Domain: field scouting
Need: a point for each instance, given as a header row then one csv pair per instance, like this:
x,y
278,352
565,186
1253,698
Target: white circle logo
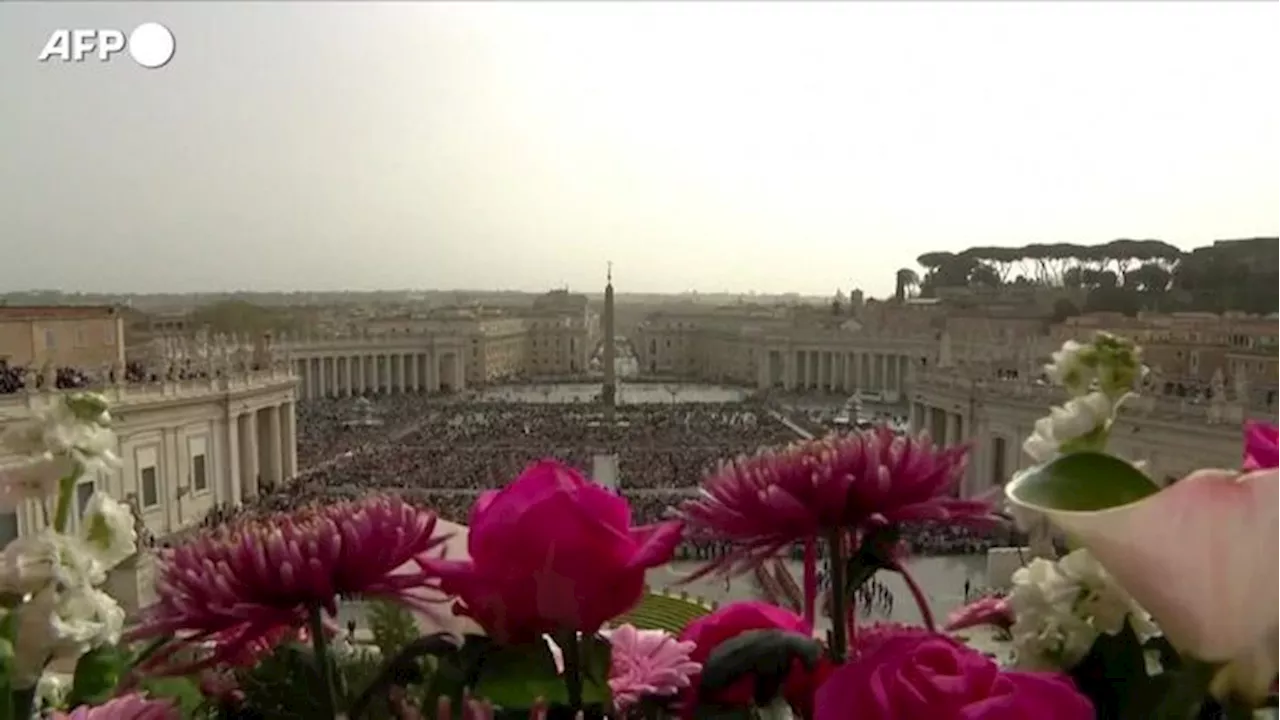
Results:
x,y
151,45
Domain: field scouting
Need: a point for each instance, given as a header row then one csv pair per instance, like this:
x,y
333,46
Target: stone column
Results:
x,y
289,438
414,366
273,473
913,417
231,458
351,375
249,454
951,433
404,372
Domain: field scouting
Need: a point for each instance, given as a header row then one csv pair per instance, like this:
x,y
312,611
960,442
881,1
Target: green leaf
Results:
x,y
597,655
1082,482
875,553
766,655
183,692
97,674
515,676
1114,674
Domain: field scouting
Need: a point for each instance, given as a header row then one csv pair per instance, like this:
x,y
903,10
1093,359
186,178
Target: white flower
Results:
x,y
86,618
1071,367
1079,417
32,478
32,562
1061,608
107,530
51,691
78,427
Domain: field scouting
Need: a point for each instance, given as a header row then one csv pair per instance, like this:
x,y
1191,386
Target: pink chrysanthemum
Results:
x,y
1261,446
240,585
812,488
125,707
648,662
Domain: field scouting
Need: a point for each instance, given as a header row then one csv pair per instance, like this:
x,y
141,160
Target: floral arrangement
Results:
x,y
1165,607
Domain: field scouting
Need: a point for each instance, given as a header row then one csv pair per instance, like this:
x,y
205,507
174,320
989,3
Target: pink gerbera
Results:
x,y
126,707
648,663
814,488
241,585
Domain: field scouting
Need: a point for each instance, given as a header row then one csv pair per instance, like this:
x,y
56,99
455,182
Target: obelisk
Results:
x,y
608,394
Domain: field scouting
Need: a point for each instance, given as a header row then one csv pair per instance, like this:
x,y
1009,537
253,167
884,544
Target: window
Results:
x,y
198,477
81,338
150,491
84,491
199,470
49,339
8,527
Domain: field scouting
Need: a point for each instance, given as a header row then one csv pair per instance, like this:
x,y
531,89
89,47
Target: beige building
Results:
x,y
185,446
88,338
1172,434
779,348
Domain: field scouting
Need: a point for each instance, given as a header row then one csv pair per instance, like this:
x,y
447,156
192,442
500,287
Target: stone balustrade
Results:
x,y
122,395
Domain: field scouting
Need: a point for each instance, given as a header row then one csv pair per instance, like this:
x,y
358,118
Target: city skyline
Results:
x,y
798,148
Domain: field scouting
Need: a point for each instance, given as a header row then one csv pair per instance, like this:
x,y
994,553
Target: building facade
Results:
x,y
88,338
185,446
1171,434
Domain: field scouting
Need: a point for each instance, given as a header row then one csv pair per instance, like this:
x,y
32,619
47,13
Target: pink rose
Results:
x,y
552,552
1260,446
730,621
932,677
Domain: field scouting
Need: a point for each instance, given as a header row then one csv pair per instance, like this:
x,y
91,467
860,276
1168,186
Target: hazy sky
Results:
x,y
721,146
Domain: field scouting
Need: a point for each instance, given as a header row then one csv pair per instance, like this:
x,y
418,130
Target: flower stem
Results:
x,y
572,650
926,614
66,488
839,628
810,579
324,663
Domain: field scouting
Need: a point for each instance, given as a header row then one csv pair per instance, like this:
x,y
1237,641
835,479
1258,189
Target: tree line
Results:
x,y
1120,276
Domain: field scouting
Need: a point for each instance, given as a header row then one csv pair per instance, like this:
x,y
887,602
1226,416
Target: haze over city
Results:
x,y
774,148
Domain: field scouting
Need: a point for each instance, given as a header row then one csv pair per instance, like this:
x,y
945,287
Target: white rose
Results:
x,y
86,618
107,530
33,561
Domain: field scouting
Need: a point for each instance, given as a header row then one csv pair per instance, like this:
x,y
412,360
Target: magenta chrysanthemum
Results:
x,y
239,585
648,662
810,489
125,707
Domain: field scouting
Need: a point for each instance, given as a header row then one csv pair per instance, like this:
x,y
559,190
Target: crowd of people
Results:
x,y
442,453
16,378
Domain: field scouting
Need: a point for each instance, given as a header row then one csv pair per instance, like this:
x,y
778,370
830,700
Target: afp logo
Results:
x,y
151,45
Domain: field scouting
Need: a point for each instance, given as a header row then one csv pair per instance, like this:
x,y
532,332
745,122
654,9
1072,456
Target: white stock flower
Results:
x,y
107,530
78,427
86,618
34,561
51,691
1079,417
32,478
1061,607
1071,366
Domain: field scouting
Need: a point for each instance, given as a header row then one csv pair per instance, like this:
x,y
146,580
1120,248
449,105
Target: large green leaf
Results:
x,y
1082,482
97,674
515,676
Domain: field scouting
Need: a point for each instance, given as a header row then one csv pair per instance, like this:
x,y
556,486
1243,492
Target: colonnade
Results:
x,y
342,374
262,449
838,370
